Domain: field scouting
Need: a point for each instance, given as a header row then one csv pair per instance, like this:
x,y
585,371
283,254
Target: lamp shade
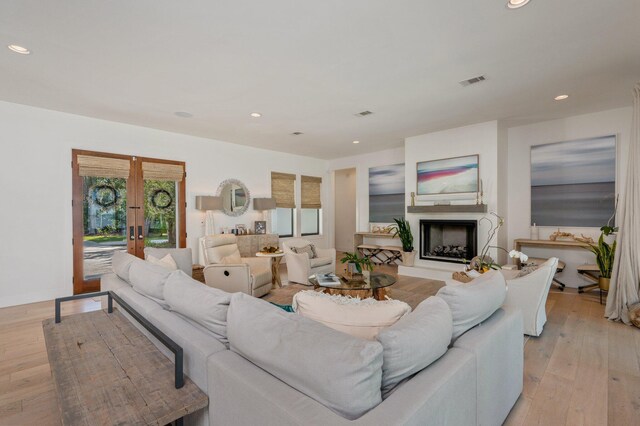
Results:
x,y
264,204
208,202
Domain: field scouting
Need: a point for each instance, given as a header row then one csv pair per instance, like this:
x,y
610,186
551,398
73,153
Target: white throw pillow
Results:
x,y
363,318
414,342
202,304
166,262
232,259
474,302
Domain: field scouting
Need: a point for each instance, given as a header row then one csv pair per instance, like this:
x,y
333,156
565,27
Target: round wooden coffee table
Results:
x,y
374,285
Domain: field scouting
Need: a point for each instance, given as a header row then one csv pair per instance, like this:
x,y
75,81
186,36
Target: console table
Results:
x,y
383,254
521,242
107,372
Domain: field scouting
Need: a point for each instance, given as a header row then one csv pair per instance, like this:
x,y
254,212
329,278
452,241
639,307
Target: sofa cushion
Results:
x,y
363,318
474,302
166,262
149,279
309,250
139,302
121,264
320,261
341,372
415,341
182,256
205,305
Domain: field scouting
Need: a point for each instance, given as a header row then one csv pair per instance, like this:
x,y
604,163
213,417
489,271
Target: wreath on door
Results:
x,y
161,199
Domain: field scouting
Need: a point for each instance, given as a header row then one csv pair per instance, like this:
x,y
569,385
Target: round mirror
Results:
x,y
235,197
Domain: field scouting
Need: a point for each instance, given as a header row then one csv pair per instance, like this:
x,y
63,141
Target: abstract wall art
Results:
x,y
448,176
386,193
574,183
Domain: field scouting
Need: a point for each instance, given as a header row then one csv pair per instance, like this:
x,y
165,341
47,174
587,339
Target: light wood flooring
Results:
x,y
583,370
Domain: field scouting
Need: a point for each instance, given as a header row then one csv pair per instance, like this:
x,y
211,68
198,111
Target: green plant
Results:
x,y
605,254
403,230
358,261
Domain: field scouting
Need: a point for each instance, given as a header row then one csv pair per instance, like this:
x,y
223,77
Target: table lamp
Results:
x,y
208,204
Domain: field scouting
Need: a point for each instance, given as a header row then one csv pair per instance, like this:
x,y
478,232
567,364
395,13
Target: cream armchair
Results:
x,y
529,294
300,266
250,275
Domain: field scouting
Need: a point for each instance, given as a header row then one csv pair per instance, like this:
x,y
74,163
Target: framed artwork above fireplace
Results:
x,y
455,175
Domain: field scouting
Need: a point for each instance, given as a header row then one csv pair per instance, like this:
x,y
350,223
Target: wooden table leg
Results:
x,y
275,272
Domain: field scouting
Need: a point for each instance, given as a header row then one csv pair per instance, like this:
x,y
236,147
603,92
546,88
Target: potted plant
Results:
x,y
355,265
605,255
403,231
483,262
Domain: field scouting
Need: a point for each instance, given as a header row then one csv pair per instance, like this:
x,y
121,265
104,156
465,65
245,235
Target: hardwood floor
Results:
x,y
583,370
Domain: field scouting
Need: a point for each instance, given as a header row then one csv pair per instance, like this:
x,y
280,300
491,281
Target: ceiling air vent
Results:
x,y
474,80
297,133
363,113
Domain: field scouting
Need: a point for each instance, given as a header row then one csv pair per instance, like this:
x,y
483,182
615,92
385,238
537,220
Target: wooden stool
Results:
x,y
392,253
591,272
537,261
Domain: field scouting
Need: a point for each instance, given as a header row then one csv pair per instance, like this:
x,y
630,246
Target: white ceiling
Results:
x,y
310,66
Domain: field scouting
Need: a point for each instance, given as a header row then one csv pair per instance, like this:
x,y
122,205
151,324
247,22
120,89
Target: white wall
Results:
x,y
345,208
479,139
35,206
520,140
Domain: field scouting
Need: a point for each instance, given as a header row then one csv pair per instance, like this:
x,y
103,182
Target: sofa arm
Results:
x,y
444,393
230,278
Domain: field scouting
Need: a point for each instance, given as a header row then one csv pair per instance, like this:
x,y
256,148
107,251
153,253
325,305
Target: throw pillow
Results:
x,y
363,318
474,302
166,262
204,305
338,371
414,342
232,259
182,256
309,250
526,270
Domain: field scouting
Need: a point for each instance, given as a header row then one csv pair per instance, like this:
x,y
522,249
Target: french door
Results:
x,y
123,203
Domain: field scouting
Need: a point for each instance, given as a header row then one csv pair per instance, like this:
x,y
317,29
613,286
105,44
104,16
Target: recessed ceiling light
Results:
x,y
183,114
19,49
356,141
255,115
561,97
516,4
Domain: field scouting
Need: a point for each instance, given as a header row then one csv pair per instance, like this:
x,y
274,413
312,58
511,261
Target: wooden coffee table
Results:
x,y
374,285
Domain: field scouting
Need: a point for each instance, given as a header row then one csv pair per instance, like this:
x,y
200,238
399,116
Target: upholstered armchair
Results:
x,y
226,270
529,294
300,265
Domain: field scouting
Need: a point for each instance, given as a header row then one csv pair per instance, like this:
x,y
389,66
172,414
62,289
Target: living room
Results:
x,y
240,147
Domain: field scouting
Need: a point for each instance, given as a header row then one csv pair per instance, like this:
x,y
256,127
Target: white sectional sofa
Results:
x,y
250,380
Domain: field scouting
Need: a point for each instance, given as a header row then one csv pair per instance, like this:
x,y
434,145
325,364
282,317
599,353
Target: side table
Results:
x,y
197,272
276,258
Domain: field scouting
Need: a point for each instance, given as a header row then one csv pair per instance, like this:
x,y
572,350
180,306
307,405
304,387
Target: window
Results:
x,y
311,205
284,222
283,187
310,222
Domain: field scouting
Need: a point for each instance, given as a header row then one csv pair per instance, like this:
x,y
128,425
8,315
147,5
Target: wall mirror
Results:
x,y
235,197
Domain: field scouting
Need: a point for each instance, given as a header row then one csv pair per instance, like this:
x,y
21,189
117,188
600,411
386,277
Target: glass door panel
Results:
x,y
160,214
104,224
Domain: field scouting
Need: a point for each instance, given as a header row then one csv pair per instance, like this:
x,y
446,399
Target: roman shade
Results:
x,y
90,165
311,192
162,171
283,189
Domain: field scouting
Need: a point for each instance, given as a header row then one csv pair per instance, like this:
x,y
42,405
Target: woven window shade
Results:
x,y
311,192
89,165
283,189
162,171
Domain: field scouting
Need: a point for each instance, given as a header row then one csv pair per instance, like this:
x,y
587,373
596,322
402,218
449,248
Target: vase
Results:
x,y
408,258
352,273
603,283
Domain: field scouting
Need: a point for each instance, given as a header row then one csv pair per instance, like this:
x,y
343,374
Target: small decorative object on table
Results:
x,y
270,250
535,234
354,266
261,226
559,235
484,262
197,272
413,199
241,229
520,256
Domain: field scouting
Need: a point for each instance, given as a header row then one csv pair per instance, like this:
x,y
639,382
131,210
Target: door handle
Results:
x,y
132,235
140,236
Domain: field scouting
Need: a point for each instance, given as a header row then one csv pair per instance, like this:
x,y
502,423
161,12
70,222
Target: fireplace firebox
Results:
x,y
448,240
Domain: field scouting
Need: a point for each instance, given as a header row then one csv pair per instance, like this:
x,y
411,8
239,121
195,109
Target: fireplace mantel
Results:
x,y
452,208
